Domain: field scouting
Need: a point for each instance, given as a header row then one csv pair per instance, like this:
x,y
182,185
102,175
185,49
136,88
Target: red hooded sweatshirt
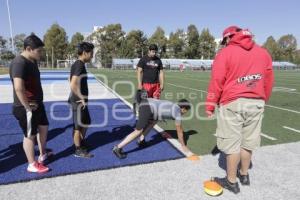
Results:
x,y
240,70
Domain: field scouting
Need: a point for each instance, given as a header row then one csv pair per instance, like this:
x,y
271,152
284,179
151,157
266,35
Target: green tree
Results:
x,y
134,45
192,48
19,42
72,48
176,44
56,40
3,42
272,46
207,45
297,59
108,41
288,46
160,40
7,55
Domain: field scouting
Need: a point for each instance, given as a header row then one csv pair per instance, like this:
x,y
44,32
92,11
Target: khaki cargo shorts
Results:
x,y
239,125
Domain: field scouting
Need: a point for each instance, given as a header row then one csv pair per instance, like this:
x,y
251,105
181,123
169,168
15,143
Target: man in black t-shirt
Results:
x,y
150,73
79,97
28,107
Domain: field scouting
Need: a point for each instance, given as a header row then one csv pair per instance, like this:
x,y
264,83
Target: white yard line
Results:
x,y
179,86
186,78
263,135
267,105
268,137
278,88
285,89
293,111
292,129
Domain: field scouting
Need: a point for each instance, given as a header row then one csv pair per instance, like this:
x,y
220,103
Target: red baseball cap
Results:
x,y
229,31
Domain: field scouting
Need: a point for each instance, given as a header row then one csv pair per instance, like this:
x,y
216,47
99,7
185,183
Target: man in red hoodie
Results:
x,y
241,82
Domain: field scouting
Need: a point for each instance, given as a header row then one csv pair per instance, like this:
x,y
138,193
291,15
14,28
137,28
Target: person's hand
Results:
x,y
33,106
28,109
140,86
185,149
82,102
161,87
209,113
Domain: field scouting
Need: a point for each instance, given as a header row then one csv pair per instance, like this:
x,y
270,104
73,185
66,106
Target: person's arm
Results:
x,y
216,84
75,87
269,79
139,77
180,136
20,92
161,79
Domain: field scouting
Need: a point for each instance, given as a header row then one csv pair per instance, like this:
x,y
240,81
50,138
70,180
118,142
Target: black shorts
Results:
x,y
81,116
29,122
145,115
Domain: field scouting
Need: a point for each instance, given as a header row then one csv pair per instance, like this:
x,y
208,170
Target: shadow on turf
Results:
x,y
14,155
96,140
155,139
186,135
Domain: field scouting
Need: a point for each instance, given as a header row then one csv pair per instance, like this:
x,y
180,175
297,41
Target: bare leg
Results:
x,y
232,164
129,138
42,139
147,130
245,161
77,138
28,146
83,133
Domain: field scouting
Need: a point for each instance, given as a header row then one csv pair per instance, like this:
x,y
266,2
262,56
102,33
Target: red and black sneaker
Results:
x,y
37,168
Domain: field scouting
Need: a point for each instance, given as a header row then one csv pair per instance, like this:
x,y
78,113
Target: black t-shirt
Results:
x,y
23,68
151,68
78,69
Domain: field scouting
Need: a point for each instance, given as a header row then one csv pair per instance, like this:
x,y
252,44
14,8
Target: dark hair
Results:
x,y
153,47
85,47
33,42
183,103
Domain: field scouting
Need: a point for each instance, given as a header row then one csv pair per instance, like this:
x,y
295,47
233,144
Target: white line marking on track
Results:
x,y
292,129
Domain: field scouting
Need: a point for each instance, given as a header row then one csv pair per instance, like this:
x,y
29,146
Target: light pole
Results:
x,y
52,58
11,34
47,60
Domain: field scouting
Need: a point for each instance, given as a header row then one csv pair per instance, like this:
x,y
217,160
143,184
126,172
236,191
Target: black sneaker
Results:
x,y
244,179
215,151
85,145
232,187
119,152
141,143
82,153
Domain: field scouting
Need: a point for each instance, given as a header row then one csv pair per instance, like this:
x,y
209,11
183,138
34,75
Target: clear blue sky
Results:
x,y
262,17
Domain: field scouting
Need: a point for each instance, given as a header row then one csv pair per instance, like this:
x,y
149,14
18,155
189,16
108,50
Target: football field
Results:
x,y
282,112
